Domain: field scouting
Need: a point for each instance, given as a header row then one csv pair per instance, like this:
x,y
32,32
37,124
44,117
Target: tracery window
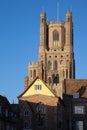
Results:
x,y
27,124
55,78
40,115
55,35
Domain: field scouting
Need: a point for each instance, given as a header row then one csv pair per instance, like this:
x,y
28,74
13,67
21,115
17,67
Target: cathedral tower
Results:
x,y
56,55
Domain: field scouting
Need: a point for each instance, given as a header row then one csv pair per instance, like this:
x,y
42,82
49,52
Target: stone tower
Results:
x,y
56,56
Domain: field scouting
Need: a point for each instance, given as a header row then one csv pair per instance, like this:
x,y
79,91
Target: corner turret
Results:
x,y
42,32
69,32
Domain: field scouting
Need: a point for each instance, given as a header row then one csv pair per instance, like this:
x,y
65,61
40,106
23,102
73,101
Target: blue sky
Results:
x,y
19,38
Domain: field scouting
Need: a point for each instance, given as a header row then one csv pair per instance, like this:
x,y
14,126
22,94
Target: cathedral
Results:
x,y
52,98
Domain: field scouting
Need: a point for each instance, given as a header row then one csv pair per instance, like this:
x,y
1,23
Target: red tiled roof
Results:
x,y
76,85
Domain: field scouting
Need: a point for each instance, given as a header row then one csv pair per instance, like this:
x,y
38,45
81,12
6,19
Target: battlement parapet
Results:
x,y
57,23
33,65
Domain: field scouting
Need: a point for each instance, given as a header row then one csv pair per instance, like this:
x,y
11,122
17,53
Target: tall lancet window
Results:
x,y
34,73
40,115
49,65
55,65
55,35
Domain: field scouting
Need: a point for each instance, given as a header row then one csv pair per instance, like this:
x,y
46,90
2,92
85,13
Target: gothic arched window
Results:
x,y
66,73
55,35
55,65
34,73
40,114
49,65
30,73
55,78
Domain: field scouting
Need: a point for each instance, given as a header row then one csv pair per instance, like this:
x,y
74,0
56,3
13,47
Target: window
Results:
x,y
34,73
38,87
66,73
75,95
55,35
27,112
55,78
55,65
26,124
6,113
30,73
77,125
3,111
71,70
79,109
49,65
40,115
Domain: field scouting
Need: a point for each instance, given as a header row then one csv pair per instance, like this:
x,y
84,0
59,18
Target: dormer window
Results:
x,y
55,35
